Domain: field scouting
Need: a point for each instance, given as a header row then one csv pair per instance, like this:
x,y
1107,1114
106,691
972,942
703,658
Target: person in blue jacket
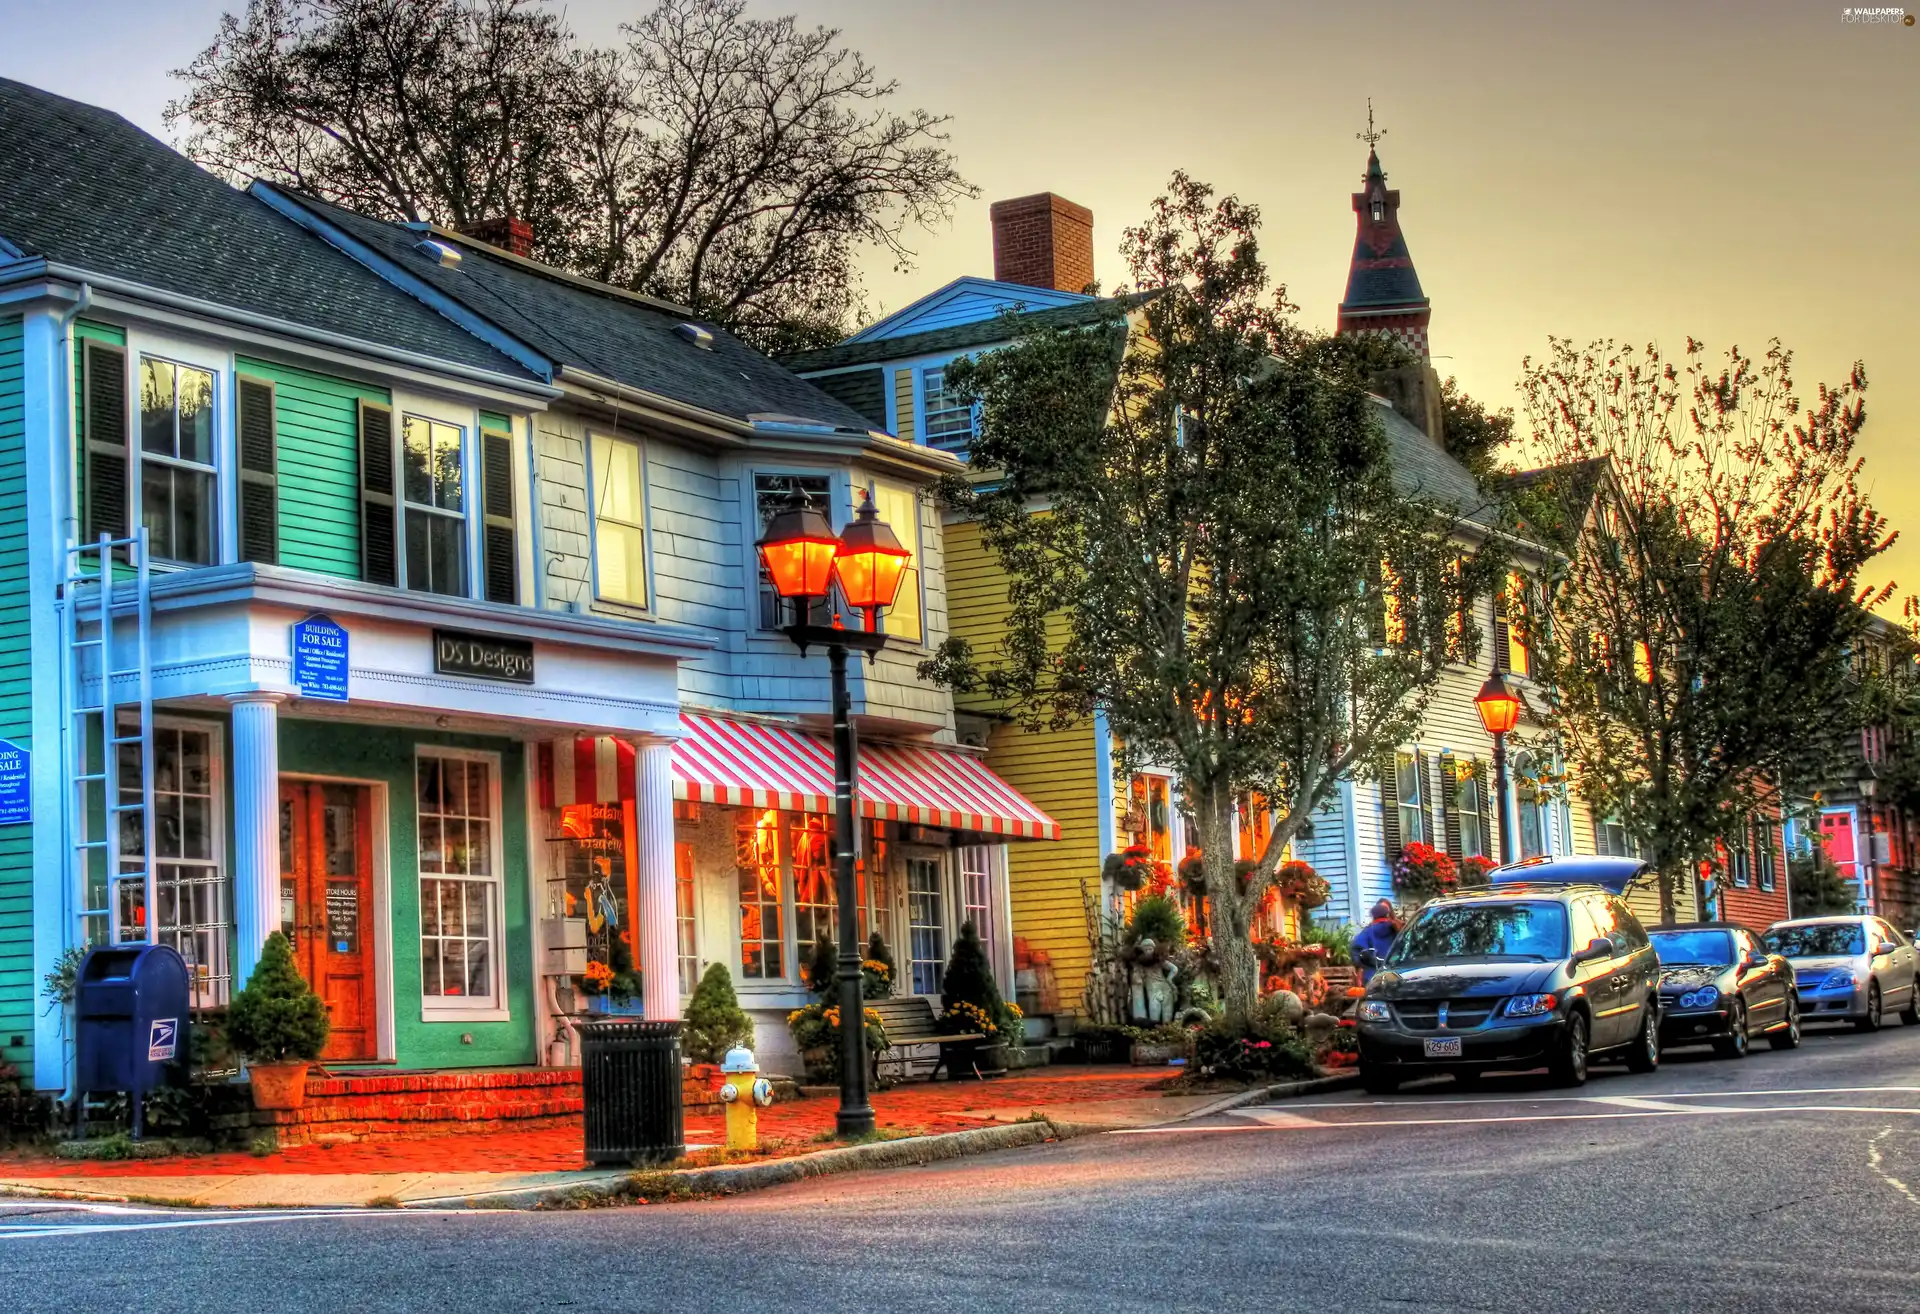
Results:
x,y
1377,935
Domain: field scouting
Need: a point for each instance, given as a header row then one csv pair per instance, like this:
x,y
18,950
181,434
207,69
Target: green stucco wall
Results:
x,y
317,425
16,709
385,754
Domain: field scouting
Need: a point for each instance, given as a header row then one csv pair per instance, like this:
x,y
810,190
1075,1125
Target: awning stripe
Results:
x,y
751,764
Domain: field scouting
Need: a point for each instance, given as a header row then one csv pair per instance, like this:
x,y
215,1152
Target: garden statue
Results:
x,y
1154,992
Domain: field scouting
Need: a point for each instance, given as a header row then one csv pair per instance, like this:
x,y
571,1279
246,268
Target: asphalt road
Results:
x,y
1782,1182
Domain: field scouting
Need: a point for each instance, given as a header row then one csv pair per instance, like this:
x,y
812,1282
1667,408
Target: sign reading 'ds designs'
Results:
x,y
483,656
320,658
16,784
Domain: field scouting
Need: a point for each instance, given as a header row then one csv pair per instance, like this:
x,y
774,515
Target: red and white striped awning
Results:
x,y
597,770
732,763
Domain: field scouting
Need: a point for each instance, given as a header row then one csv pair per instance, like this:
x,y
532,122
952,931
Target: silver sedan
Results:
x,y
1853,968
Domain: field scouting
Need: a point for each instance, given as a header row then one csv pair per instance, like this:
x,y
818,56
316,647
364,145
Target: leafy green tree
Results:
x,y
715,1021
1475,435
735,165
1704,620
1816,887
277,1018
1221,560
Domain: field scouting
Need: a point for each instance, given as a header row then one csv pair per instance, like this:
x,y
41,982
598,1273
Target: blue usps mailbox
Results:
x,y
131,1006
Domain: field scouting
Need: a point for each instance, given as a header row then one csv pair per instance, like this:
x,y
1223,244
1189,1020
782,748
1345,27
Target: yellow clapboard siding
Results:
x,y
1057,769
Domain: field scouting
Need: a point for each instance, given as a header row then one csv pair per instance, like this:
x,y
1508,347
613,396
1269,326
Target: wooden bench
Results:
x,y
910,1025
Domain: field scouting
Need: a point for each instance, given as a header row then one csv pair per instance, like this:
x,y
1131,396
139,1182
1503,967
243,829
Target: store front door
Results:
x,y
326,904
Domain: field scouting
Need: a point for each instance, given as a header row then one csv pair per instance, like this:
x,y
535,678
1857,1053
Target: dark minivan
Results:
x,y
1528,973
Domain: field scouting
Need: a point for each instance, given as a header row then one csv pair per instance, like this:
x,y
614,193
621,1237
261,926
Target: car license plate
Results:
x,y
1446,1048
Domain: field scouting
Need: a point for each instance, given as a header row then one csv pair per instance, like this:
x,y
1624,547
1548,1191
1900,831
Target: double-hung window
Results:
x,y
756,863
433,482
458,801
1469,810
900,509
178,505
926,925
1765,864
1740,861
619,521
770,494
1412,796
949,421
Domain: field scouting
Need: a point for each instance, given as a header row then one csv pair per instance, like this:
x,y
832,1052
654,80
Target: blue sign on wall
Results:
x,y
320,658
16,784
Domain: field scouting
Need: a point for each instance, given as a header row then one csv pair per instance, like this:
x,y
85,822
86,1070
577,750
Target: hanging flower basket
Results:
x,y
1302,886
1130,868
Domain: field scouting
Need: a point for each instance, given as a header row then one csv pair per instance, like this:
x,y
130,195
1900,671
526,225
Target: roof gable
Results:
x,y
990,331
963,301
82,187
590,329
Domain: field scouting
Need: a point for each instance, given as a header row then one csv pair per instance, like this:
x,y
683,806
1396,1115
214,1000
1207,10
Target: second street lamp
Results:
x,y
1499,708
805,558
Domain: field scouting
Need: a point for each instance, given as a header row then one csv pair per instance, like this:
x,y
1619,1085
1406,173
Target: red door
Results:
x,y
326,904
1837,835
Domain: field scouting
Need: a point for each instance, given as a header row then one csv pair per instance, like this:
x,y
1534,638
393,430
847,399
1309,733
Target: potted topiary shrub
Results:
x,y
970,1002
280,1025
877,972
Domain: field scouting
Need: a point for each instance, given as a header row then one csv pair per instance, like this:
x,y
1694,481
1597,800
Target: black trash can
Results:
x,y
630,1079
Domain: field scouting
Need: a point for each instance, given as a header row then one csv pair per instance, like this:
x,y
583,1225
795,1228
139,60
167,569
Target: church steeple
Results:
x,y
1383,291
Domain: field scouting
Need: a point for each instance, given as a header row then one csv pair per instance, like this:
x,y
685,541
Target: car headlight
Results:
x,y
1531,1005
1839,980
1374,1010
1704,997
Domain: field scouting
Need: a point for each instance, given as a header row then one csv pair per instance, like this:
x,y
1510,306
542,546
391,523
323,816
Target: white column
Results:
x,y
256,826
657,916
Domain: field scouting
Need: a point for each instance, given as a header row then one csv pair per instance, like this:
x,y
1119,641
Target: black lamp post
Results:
x,y
1499,709
805,558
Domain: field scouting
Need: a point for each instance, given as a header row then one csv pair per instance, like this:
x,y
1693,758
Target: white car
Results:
x,y
1853,968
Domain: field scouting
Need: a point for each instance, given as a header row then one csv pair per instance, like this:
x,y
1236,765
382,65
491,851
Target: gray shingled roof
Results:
x,y
959,337
1421,468
604,332
81,186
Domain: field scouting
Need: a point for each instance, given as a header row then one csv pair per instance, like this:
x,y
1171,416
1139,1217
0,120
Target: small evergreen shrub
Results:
x,y
970,993
715,1021
1159,919
877,969
278,1018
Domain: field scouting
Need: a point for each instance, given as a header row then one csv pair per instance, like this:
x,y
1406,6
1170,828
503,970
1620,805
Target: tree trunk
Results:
x,y
1233,954
1662,865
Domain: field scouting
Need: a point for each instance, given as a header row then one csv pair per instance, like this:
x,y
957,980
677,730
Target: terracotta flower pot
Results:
x,y
278,1085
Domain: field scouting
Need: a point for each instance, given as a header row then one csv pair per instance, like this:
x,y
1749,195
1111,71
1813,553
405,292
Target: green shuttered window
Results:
x,y
259,472
499,541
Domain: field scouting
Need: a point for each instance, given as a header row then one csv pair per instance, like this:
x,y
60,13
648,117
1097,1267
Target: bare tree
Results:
x,y
733,164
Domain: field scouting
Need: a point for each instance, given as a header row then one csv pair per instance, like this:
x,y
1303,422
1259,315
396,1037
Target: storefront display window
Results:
x,y
757,867
685,929
591,873
190,889
459,878
873,869
813,893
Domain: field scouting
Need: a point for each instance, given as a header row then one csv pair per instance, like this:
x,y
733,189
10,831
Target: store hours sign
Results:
x,y
320,658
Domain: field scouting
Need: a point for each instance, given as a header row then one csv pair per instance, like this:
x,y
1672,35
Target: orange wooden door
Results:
x,y
326,905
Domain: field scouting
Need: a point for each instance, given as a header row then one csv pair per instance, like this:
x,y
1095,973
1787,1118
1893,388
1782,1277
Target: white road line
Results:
x,y
22,1231
1304,1124
1523,1097
1874,1162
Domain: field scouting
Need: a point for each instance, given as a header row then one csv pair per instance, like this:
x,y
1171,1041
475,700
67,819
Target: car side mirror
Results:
x,y
1597,948
1368,958
1755,962
1884,947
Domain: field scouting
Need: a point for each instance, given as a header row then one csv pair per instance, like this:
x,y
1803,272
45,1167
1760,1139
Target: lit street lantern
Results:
x,y
1499,708
803,556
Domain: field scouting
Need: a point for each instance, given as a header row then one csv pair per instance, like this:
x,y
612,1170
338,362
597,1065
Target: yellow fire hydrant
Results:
x,y
745,1093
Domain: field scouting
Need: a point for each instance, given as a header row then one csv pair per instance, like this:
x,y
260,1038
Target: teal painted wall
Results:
x,y
317,422
386,754
16,708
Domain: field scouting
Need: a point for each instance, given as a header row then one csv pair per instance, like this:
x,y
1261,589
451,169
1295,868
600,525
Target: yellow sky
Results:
x,y
1733,170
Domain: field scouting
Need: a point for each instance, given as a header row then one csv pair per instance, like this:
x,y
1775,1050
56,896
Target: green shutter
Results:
x,y
1390,803
379,508
1447,773
259,472
104,426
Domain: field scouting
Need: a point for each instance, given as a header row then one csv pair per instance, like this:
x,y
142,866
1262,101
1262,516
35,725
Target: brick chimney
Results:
x,y
1043,241
515,235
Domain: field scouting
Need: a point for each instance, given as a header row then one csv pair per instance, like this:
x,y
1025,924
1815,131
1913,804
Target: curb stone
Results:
x,y
731,1179
1285,1090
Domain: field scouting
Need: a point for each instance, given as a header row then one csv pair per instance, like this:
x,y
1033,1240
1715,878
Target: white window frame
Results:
x,y
926,389
644,525
942,886
465,518
913,541
1419,809
215,732
1471,776
214,510
464,1008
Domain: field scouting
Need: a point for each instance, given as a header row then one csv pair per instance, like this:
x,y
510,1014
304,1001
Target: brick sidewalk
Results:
x,y
791,1128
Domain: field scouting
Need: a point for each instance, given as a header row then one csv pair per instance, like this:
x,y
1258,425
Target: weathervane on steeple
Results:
x,y
1372,135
